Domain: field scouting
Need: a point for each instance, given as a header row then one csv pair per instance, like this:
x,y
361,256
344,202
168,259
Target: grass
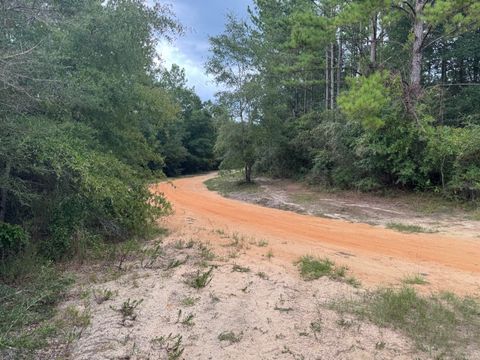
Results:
x,y
406,228
200,280
189,301
127,310
312,268
415,279
27,308
238,268
262,243
441,324
229,183
103,295
172,344
230,336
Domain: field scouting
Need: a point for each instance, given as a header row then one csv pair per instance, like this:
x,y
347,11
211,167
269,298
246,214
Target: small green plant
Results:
x,y
171,344
173,263
189,301
127,310
262,275
200,280
103,295
316,327
238,268
181,244
312,268
269,254
416,279
187,320
230,336
206,252
150,255
405,228
262,243
76,317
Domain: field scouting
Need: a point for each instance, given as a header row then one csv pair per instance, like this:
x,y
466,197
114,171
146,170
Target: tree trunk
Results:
x,y
417,54
373,44
4,193
326,79
248,173
332,76
339,64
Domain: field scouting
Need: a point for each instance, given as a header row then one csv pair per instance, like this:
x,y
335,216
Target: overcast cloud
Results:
x,y
201,18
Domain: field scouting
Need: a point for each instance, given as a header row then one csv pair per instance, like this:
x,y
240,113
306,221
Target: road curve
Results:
x,y
368,245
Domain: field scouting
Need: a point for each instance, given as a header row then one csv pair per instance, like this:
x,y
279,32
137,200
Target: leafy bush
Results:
x,y
13,241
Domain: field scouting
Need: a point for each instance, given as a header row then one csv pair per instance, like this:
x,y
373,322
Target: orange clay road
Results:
x,y
375,255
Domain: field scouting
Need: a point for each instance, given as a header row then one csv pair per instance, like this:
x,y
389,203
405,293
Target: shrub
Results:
x,y
13,241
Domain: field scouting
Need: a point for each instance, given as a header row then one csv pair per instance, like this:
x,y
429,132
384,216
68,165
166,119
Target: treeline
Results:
x,y
87,119
354,94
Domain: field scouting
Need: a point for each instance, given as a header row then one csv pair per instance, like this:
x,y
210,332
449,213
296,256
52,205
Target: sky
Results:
x,y
201,19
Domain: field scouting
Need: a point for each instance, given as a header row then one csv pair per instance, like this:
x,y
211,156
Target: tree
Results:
x,y
231,64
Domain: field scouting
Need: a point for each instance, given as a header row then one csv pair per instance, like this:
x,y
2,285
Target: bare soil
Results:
x,y
256,306
377,256
263,311
428,212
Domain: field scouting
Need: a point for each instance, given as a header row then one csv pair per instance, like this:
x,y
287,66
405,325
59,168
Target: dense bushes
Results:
x,y
87,121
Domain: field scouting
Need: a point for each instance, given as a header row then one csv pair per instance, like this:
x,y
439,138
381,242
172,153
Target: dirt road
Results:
x,y
375,255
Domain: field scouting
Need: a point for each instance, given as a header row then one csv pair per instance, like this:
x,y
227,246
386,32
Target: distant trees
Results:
x,y
356,93
231,64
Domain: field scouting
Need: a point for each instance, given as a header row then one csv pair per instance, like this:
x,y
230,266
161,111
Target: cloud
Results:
x,y
197,78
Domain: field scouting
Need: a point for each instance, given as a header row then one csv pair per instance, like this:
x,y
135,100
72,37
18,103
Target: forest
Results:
x,y
361,95
88,119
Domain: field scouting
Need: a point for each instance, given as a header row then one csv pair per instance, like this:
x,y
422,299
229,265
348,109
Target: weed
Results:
x,y
406,228
103,295
26,309
286,350
269,254
76,317
416,279
200,280
442,323
173,263
230,336
127,310
380,345
262,243
150,255
181,244
239,268
353,281
189,301
188,320
316,327
171,344
206,252
262,275
312,268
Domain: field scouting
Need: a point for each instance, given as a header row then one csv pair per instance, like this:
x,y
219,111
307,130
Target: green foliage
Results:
x,y
440,323
27,308
13,241
371,100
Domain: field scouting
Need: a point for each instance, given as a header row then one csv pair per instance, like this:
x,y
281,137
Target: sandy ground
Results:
x,y
271,313
256,306
375,255
407,209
